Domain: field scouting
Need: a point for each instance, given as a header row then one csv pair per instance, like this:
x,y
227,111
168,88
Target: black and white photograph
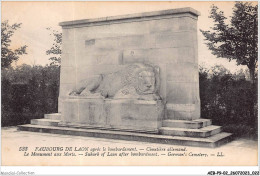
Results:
x,y
143,83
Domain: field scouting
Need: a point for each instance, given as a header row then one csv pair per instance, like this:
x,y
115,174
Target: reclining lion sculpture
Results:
x,y
135,81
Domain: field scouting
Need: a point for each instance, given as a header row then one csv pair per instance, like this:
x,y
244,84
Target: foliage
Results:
x,y
229,100
237,40
55,50
28,92
9,55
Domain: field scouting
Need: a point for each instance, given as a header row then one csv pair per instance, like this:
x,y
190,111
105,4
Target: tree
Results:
x,y
55,50
238,39
7,54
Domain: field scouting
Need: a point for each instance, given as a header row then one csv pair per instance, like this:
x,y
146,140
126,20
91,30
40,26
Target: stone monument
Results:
x,y
132,75
127,99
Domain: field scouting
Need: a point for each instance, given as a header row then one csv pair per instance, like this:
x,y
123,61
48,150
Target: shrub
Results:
x,y
230,101
28,92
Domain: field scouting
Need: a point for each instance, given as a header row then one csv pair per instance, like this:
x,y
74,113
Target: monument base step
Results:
x,y
53,116
51,122
212,141
111,128
202,132
45,122
190,124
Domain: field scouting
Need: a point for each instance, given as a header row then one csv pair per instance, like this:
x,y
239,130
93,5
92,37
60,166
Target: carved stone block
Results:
x,y
125,114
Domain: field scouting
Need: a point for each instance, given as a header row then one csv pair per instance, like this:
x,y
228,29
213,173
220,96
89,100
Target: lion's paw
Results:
x,y
149,97
73,93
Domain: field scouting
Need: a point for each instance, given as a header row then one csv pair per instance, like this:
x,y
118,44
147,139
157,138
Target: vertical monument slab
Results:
x,y
167,39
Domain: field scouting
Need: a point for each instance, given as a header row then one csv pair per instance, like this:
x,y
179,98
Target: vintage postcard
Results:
x,y
129,84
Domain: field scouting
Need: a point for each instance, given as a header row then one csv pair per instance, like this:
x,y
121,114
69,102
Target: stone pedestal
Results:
x,y
124,114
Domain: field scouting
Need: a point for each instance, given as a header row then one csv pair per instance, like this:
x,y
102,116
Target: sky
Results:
x,y
37,16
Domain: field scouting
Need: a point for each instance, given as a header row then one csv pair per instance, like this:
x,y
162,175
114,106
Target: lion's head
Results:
x,y
143,77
